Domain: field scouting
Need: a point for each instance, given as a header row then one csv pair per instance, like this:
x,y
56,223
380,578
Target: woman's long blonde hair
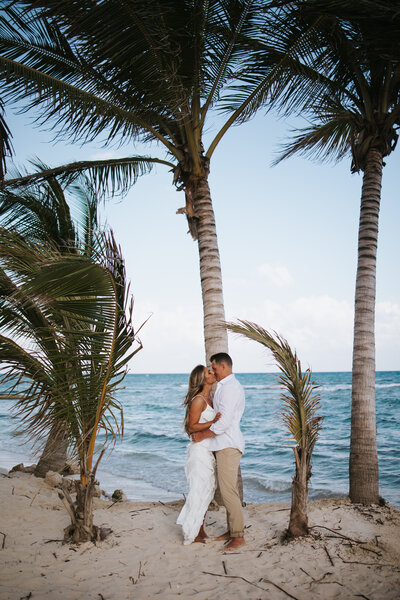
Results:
x,y
196,384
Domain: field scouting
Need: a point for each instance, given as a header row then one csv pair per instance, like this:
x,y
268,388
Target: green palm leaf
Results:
x,y
300,403
108,176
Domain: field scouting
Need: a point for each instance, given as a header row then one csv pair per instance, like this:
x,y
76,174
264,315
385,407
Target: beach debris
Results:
x,y
345,537
213,505
139,510
4,539
118,496
139,575
53,479
71,467
329,556
20,467
254,584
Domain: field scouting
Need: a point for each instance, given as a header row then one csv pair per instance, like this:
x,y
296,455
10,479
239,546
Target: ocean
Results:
x,y
148,464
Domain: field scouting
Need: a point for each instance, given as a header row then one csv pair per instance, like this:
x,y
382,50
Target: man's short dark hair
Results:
x,y
222,357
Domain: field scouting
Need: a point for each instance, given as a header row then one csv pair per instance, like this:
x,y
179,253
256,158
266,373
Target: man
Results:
x,y
228,444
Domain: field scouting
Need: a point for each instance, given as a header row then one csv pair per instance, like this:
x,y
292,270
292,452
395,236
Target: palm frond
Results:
x,y
300,403
109,176
329,139
6,148
67,329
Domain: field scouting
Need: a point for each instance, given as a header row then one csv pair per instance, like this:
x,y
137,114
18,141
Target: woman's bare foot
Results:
x,y
201,536
222,538
202,533
236,542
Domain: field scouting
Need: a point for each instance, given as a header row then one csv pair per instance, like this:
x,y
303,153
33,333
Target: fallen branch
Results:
x,y
357,562
338,534
329,556
251,583
322,582
308,574
34,498
373,551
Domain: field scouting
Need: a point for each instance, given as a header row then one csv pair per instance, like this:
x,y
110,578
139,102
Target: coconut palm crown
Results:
x,y
66,336
149,71
342,73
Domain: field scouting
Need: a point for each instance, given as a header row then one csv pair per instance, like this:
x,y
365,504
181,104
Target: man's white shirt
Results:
x,y
229,401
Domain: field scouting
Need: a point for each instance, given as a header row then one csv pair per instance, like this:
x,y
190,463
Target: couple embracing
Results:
x,y
213,423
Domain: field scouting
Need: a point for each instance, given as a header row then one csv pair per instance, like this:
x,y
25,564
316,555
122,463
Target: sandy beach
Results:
x,y
352,552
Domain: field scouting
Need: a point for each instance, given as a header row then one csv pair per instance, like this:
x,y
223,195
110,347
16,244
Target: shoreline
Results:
x,y
352,550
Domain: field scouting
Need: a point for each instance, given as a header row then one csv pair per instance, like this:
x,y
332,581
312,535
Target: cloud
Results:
x,y
105,155
172,339
319,327
278,275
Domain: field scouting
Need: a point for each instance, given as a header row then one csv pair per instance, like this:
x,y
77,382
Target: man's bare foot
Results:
x,y
222,538
236,542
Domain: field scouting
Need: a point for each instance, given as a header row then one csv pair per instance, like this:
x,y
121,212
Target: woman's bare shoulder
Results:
x,y
198,402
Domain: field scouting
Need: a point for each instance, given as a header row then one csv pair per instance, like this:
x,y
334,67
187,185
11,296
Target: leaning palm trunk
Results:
x,y
364,476
54,455
298,414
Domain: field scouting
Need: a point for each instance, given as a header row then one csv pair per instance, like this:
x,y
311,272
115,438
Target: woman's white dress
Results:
x,y
200,475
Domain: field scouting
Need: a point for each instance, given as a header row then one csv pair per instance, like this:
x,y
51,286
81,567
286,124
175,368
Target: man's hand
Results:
x,y
199,436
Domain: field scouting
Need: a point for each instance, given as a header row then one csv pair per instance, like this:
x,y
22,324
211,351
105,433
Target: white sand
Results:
x,y
144,557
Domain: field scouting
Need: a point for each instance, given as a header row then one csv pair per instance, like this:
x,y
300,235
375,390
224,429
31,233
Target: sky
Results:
x,y
288,244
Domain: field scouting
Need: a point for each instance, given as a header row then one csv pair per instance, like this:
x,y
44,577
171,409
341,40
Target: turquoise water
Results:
x,y
149,463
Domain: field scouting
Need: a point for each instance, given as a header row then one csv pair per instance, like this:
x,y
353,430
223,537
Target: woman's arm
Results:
x,y
196,408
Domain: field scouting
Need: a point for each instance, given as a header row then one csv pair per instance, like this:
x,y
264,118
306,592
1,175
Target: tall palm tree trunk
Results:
x,y
364,476
215,336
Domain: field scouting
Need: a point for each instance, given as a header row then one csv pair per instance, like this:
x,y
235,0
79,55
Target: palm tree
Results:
x,y
342,72
298,414
40,212
66,340
148,71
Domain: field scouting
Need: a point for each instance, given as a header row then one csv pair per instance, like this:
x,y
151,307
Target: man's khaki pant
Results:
x,y
228,461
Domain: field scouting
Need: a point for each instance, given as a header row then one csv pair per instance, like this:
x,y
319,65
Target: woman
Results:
x,y
200,461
